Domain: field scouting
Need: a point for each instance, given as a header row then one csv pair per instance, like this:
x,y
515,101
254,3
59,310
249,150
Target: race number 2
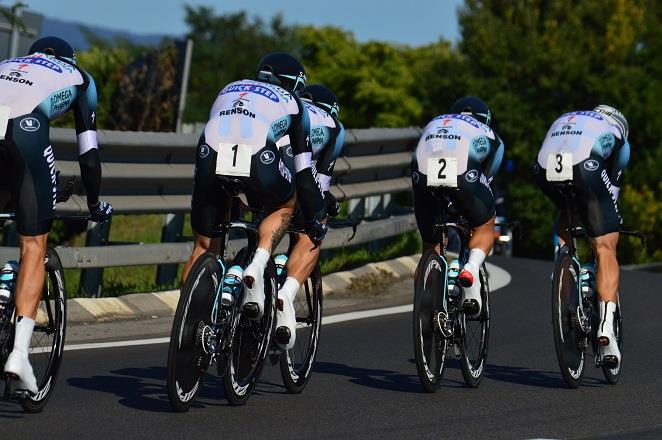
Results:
x,y
559,167
234,160
4,120
442,171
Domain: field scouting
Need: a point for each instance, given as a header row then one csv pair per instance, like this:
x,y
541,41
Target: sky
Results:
x,y
387,20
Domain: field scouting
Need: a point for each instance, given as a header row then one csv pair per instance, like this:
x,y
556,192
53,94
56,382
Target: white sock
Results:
x,y
23,335
260,259
476,259
290,288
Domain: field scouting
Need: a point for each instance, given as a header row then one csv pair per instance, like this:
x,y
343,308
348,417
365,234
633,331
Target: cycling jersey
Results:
x,y
34,90
599,154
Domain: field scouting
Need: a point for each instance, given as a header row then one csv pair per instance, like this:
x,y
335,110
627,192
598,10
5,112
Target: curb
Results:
x,y
154,305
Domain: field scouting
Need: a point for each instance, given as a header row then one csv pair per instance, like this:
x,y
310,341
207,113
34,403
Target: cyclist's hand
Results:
x,y
316,231
332,205
101,212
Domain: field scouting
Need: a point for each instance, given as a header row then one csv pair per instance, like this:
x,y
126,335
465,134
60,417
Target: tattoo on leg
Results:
x,y
278,234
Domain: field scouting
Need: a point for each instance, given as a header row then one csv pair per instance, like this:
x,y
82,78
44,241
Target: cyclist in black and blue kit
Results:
x,y
34,90
248,120
327,136
461,152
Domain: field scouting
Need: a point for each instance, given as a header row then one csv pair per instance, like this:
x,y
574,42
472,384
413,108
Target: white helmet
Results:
x,y
615,117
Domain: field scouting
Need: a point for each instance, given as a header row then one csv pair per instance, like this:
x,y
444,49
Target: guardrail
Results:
x,y
148,173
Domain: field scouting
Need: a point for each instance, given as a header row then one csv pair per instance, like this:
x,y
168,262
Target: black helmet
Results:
x,y
54,46
283,70
615,117
476,107
322,97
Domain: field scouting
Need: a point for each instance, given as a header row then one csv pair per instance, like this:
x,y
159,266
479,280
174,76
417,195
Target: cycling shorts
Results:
x,y
594,202
27,167
472,198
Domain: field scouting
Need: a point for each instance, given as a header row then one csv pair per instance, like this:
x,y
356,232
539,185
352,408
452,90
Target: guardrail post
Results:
x,y
9,234
173,226
91,280
374,207
356,209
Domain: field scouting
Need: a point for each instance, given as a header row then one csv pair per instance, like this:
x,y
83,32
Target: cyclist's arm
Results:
x,y
493,161
330,153
619,160
84,108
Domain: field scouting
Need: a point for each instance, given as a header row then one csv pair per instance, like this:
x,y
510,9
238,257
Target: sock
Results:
x,y
289,289
260,259
23,335
476,259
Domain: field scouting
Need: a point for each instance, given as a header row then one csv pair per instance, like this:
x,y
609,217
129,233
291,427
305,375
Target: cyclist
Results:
x,y
459,150
599,149
327,136
246,121
34,90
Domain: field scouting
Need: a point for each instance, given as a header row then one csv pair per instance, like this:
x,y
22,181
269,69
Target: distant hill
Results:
x,y
71,31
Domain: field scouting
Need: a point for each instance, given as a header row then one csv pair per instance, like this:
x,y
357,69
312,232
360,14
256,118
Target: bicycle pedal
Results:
x,y
251,310
20,395
283,335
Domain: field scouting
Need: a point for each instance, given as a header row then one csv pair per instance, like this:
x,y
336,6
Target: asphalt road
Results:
x,y
365,384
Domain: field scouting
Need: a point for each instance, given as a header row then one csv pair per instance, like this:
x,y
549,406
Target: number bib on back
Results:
x,y
234,160
442,171
559,167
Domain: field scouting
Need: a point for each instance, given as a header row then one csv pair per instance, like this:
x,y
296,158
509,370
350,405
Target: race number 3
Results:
x,y
559,167
234,160
4,119
442,171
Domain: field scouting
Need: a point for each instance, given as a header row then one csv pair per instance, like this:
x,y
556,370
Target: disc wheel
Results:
x,y
47,343
475,339
296,364
567,333
187,359
429,345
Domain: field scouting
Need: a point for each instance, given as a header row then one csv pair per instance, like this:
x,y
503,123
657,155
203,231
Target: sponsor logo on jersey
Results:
x,y
252,88
471,176
288,151
203,151
442,133
317,136
465,118
29,124
237,111
279,127
60,101
267,157
38,61
591,165
607,182
606,141
589,113
567,133
311,108
566,127
241,100
479,145
16,79
50,159
284,171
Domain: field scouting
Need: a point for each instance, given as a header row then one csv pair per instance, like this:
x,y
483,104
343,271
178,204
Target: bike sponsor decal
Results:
x,y
29,124
267,157
204,151
252,88
471,176
591,165
38,61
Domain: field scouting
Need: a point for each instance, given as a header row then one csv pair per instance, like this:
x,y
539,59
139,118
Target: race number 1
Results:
x,y
559,167
4,120
442,171
234,160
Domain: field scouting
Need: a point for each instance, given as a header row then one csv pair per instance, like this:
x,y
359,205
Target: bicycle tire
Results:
x,y
187,361
473,360
47,342
254,337
296,364
567,335
429,345
612,375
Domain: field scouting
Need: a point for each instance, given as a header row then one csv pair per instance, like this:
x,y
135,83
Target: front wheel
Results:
x,y
429,344
48,336
188,353
613,374
296,365
565,320
476,337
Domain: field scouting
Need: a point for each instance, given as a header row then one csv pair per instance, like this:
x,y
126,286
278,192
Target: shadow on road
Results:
x,y
382,379
525,376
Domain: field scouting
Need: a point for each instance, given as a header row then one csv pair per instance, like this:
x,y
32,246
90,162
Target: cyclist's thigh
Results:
x,y
271,183
474,198
31,164
597,207
209,202
427,208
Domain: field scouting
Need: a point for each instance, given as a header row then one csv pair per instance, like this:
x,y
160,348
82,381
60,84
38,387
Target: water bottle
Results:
x,y
281,261
8,276
231,285
587,279
453,272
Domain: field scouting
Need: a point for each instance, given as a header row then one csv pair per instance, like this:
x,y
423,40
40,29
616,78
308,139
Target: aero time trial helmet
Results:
x,y
322,97
54,46
282,69
473,106
615,117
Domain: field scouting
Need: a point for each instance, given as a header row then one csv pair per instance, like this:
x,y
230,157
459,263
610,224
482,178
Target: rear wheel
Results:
x,y
476,338
296,365
429,345
250,345
47,340
188,357
568,335
613,374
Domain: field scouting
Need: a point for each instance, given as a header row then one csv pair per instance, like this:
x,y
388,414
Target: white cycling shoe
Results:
x,y
18,367
609,351
253,302
286,320
470,282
